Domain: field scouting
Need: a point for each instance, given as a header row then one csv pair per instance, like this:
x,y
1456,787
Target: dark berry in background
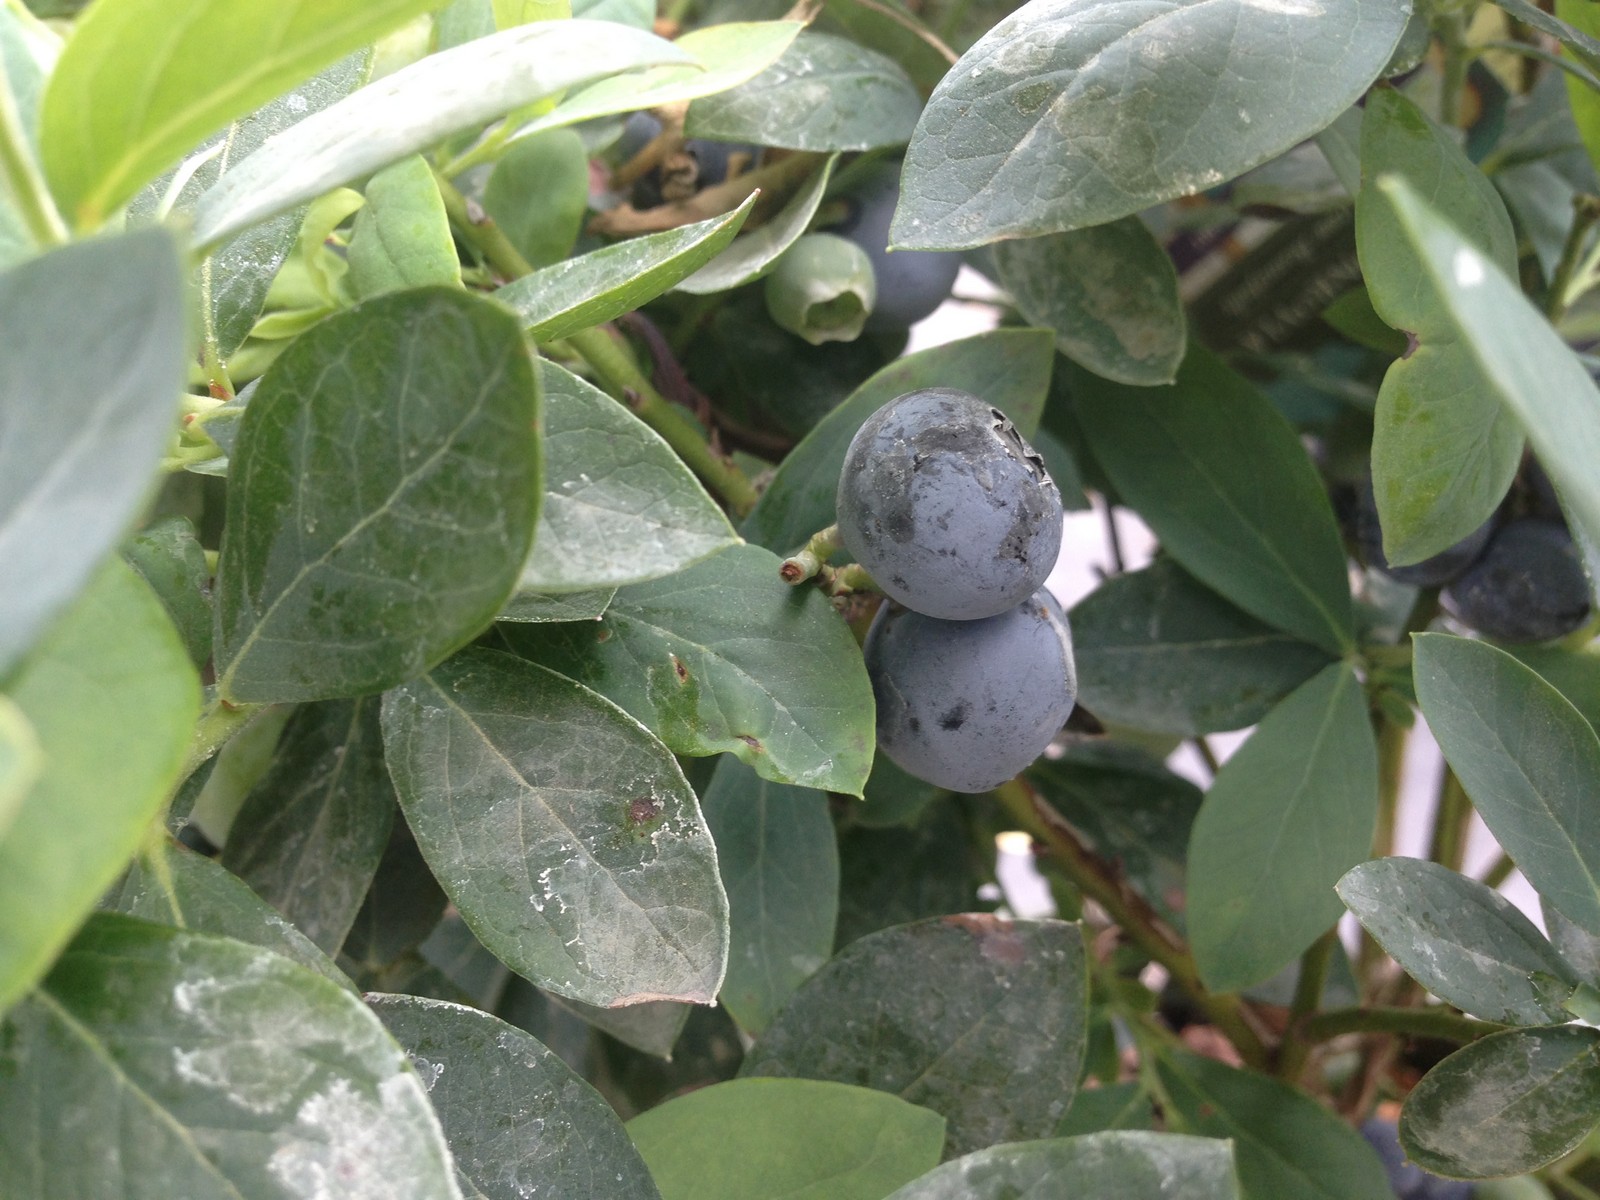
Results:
x,y
1529,585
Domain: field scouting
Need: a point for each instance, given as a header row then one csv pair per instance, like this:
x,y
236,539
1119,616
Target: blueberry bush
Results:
x,y
513,674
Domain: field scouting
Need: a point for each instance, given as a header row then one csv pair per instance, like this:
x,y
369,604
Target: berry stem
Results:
x,y
1431,1021
804,563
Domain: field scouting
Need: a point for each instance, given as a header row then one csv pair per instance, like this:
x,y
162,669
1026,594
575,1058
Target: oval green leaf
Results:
x,y
1109,292
1505,1104
593,288
201,1067
378,428
761,1139
126,100
113,701
1009,368
974,1016
726,657
1288,814
538,607
779,859
168,557
1071,113
21,760
518,1120
1159,651
1227,487
825,93
415,108
88,401
402,236
753,255
1444,449
1464,942
619,506
1127,1165
563,832
1528,759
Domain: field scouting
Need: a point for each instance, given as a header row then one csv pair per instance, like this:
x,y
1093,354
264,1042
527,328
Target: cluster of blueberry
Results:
x,y
1517,578
954,516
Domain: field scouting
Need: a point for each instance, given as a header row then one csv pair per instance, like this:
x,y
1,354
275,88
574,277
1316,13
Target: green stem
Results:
x,y
623,379
1095,880
216,726
1434,1022
21,178
1585,212
1452,31
1560,61
1500,871
1307,998
481,233
1392,738
1448,843
810,558
1572,1187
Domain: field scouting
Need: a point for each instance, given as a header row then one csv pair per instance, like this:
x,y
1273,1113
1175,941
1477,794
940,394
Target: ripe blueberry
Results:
x,y
700,164
1409,1181
1529,586
911,283
1436,571
968,704
948,509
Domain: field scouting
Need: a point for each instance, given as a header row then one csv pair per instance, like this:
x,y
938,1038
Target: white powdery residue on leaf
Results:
x,y
345,1145
244,1075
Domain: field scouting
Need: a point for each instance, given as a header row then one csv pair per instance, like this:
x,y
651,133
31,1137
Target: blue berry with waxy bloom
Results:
x,y
1529,585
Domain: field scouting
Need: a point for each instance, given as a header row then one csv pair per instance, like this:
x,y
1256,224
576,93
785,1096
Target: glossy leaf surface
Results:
x,y
973,1016
377,429
1110,294
780,865
1464,942
1072,113
1505,1104
539,607
205,1068
1157,650
562,831
795,1138
1287,815
726,657
582,292
168,557
112,700
311,833
1227,487
825,93
753,256
1528,759
88,400
20,761
1009,368
619,506
517,1119
1444,449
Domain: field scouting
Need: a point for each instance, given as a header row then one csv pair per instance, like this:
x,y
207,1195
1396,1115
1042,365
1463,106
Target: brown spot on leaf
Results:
x,y
602,634
998,941
753,742
643,809
679,669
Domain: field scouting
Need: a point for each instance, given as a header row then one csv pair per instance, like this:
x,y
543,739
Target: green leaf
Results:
x,y
892,797
1528,759
517,1119
402,236
891,877
1464,942
1134,811
1285,1143
538,194
195,1066
1110,294
779,861
1584,46
798,1139
725,56
1106,1107
1288,814
168,557
825,93
977,1017
21,761
113,701
126,100
1576,25
29,51
380,427
619,506
1090,110
592,288
415,108
753,255
563,832
1227,487
402,909
1573,673
171,885
311,833
1123,1165
1530,368
1158,651
652,1027
1444,450
639,13
1505,1104
1577,946
1009,368
557,606
726,657
89,384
